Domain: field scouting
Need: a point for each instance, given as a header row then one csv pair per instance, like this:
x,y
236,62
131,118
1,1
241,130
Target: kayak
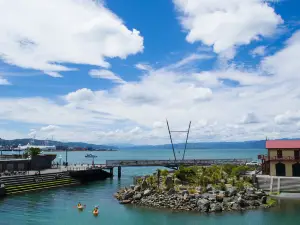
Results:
x,y
95,212
80,207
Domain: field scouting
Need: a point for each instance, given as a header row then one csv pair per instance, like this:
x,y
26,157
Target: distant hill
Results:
x,y
206,145
25,141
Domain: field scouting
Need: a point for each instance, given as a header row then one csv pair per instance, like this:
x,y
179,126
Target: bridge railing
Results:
x,y
113,163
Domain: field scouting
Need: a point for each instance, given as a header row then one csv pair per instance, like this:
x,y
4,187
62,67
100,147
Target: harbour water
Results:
x,y
57,207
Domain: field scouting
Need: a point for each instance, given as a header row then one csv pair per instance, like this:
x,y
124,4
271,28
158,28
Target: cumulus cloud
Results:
x,y
259,51
250,118
288,117
46,38
49,128
83,94
4,81
285,63
226,24
106,74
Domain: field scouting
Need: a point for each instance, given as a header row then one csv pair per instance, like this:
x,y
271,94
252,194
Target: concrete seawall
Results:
x,y
278,184
28,183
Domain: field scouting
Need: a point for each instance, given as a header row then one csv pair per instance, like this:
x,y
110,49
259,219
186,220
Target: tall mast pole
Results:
x,y
187,137
171,140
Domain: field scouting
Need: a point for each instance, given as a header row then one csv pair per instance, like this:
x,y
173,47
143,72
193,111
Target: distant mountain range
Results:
x,y
25,141
205,145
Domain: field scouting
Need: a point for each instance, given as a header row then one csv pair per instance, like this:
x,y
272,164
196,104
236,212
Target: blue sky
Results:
x,y
109,72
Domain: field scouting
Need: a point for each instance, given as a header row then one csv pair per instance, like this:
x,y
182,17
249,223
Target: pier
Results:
x,y
174,164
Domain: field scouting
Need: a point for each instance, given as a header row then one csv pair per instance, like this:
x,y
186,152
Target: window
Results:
x,y
297,154
279,154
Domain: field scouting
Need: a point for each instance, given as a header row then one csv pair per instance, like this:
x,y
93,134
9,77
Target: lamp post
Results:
x,y
67,157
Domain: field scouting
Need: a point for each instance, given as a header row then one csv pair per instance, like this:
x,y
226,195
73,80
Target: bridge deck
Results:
x,y
172,163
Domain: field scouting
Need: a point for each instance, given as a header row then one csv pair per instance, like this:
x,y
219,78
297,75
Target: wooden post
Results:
x,y
158,178
111,171
119,172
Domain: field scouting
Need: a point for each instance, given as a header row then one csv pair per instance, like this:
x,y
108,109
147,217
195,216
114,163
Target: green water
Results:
x,y
58,206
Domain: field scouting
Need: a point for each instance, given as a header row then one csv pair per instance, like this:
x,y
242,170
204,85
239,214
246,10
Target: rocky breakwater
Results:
x,y
181,197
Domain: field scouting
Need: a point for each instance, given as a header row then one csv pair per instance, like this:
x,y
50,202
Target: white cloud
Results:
x,y
191,58
226,24
83,94
288,117
285,63
259,51
39,35
106,74
143,66
135,111
250,118
49,128
4,81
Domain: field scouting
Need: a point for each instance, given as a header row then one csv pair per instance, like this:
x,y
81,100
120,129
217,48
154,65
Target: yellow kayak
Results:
x,y
95,212
80,207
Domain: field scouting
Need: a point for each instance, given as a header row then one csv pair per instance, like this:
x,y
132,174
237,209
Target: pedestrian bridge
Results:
x,y
175,163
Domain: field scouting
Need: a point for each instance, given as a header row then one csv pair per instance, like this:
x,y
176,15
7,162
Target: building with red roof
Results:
x,y
282,159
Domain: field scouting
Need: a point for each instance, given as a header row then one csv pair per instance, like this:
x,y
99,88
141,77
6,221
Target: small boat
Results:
x,y
90,156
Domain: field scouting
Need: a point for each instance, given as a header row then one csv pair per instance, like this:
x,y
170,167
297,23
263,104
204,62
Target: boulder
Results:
x,y
215,207
209,187
132,187
125,201
127,195
255,203
137,188
147,192
219,198
185,192
235,206
171,191
260,193
264,200
203,205
252,197
242,202
250,190
169,182
232,191
137,196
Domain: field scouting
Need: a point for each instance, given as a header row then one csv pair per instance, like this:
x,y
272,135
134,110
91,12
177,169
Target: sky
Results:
x,y
107,72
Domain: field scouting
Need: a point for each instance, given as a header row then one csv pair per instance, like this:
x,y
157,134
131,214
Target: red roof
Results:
x,y
283,144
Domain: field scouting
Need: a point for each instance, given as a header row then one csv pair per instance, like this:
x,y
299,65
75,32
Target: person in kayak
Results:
x,y
95,211
79,204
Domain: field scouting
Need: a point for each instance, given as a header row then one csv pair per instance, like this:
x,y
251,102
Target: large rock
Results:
x,y
171,191
219,198
232,191
203,205
169,182
132,187
264,200
242,202
215,207
209,187
125,202
127,195
147,192
185,192
137,188
137,196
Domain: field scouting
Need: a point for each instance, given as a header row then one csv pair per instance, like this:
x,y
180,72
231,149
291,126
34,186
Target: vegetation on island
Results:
x,y
198,188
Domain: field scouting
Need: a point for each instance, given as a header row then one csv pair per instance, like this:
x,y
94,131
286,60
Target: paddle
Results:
x,y
75,206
